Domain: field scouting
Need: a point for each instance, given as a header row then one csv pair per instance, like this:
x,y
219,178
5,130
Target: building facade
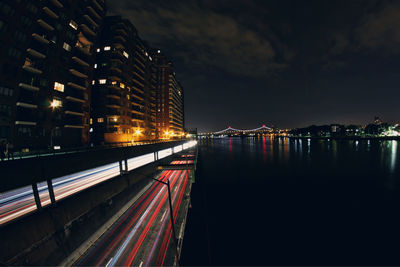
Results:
x,y
123,100
46,71
170,100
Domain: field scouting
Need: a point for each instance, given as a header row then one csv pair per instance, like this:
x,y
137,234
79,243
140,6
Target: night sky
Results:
x,y
286,63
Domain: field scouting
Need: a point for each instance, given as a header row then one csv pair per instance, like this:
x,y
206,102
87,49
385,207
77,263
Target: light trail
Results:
x,y
19,202
144,231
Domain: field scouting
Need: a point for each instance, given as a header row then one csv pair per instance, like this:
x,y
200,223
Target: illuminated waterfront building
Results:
x,y
46,71
170,104
123,103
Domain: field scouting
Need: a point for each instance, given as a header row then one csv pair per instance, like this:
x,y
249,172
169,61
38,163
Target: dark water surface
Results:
x,y
265,201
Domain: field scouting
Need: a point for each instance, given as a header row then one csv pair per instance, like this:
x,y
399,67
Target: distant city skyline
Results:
x,y
287,63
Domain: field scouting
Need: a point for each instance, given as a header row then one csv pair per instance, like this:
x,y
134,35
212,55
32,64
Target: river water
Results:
x,y
279,201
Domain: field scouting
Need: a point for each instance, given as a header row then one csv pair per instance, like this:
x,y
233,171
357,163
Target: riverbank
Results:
x,y
345,137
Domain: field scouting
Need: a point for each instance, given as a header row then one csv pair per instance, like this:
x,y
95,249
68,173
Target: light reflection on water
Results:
x,y
305,201
270,150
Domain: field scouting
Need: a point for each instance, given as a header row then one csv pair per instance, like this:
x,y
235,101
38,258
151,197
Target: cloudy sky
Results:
x,y
287,63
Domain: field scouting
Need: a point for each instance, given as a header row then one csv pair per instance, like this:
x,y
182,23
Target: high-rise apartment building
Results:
x,y
169,107
46,61
123,100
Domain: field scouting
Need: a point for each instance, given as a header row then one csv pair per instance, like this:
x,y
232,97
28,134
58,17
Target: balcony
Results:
x,y
49,12
35,53
114,101
137,97
45,25
76,86
139,67
94,12
114,78
26,105
99,7
122,31
80,61
74,126
29,87
32,69
57,3
68,112
31,123
138,90
119,37
114,96
114,106
40,38
84,50
86,29
116,68
74,99
91,21
78,74
119,45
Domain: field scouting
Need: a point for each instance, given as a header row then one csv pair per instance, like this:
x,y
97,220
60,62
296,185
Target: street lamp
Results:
x,y
56,103
172,216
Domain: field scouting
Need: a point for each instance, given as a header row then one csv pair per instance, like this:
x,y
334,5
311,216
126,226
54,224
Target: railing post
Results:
x,y
51,191
126,165
173,223
36,195
121,171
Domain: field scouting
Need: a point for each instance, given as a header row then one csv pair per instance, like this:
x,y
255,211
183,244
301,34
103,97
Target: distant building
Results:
x,y
123,102
46,71
377,120
170,95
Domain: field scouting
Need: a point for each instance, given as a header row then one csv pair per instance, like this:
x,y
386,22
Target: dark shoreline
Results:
x,y
346,137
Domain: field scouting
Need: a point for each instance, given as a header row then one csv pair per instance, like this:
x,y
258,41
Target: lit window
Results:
x,y
67,47
114,83
128,97
125,54
100,119
59,86
102,81
106,48
122,85
150,58
91,121
93,82
98,50
159,51
95,66
147,54
73,25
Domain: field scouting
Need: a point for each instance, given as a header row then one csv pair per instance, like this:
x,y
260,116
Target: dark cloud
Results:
x,y
381,29
204,38
287,62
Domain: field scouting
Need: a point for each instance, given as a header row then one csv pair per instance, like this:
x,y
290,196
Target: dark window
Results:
x,y
6,91
13,52
24,131
4,131
26,21
32,8
19,36
5,110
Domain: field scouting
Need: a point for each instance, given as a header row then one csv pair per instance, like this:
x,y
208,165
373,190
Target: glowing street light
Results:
x,y
55,103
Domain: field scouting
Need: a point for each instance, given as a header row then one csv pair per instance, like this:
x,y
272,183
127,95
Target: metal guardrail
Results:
x,y
52,152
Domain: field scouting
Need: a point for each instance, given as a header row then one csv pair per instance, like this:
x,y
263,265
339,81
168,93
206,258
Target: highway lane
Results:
x,y
19,202
142,236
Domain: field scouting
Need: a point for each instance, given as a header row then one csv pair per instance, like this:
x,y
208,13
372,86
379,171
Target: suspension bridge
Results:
x,y
241,132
